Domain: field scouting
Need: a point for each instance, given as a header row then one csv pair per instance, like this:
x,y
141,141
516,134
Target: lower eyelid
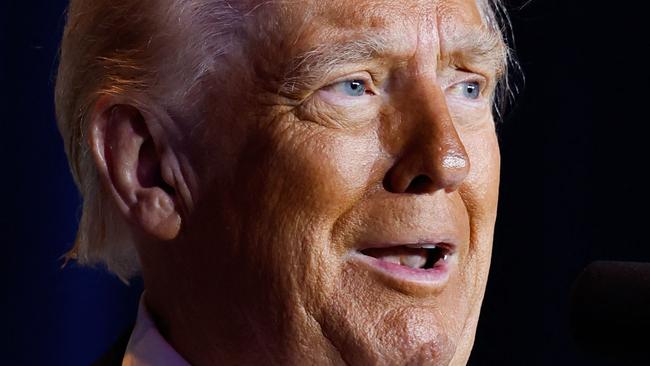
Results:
x,y
341,100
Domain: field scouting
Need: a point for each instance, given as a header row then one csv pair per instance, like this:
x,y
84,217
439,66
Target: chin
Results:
x,y
371,321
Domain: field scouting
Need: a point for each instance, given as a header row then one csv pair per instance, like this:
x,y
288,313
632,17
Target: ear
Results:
x,y
129,164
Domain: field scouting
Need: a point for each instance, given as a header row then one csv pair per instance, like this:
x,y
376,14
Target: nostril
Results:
x,y
420,184
399,181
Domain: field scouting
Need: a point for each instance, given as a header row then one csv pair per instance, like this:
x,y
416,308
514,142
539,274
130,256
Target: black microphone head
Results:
x,y
610,311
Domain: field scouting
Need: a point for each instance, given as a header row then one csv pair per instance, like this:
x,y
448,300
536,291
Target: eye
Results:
x,y
471,89
352,88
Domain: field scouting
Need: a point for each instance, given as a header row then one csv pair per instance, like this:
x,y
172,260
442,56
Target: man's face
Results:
x,y
346,181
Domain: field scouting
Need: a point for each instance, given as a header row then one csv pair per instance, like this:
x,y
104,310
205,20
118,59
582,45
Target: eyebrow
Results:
x,y
478,47
312,66
475,46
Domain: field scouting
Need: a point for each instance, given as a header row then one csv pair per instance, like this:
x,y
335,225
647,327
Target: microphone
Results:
x,y
610,311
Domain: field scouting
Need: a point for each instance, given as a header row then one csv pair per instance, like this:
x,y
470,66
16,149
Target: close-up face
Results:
x,y
343,183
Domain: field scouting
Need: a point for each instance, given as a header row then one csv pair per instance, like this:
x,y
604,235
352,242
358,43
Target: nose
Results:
x,y
432,156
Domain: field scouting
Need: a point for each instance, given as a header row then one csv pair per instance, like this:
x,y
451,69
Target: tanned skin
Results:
x,y
331,127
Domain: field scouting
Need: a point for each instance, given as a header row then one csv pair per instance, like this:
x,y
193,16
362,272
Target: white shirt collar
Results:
x,y
147,347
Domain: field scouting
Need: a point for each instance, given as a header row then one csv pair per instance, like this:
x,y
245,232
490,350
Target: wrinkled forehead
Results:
x,y
401,25
301,31
343,14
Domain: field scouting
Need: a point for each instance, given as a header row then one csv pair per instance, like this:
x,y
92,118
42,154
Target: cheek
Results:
x,y
481,187
332,170
316,177
480,196
296,184
480,193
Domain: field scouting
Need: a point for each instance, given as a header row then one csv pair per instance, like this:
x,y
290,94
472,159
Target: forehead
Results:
x,y
282,35
332,18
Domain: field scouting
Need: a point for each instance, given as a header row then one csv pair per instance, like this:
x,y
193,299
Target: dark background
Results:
x,y
572,188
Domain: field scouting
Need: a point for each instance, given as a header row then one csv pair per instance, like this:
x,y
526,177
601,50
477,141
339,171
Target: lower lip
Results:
x,y
435,277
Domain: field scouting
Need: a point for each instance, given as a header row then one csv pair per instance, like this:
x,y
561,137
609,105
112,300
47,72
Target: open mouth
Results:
x,y
416,256
426,266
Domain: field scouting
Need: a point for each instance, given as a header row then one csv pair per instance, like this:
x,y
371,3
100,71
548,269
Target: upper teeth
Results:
x,y
422,246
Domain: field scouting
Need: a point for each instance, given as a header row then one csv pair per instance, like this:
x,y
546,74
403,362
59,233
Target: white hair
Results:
x,y
113,47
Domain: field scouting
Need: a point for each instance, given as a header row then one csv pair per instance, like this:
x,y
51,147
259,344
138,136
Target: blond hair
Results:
x,y
120,47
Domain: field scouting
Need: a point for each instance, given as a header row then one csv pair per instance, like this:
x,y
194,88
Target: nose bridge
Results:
x,y
433,156
441,141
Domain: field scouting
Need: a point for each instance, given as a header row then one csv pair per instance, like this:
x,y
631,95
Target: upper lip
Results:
x,y
428,220
449,245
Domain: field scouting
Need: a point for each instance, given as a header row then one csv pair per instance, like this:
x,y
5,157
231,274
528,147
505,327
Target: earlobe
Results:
x,y
127,159
156,214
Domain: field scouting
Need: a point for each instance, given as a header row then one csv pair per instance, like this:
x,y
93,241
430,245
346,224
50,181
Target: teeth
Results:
x,y
413,261
395,259
422,246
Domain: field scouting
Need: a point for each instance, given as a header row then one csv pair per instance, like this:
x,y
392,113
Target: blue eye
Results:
x,y
471,89
352,88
